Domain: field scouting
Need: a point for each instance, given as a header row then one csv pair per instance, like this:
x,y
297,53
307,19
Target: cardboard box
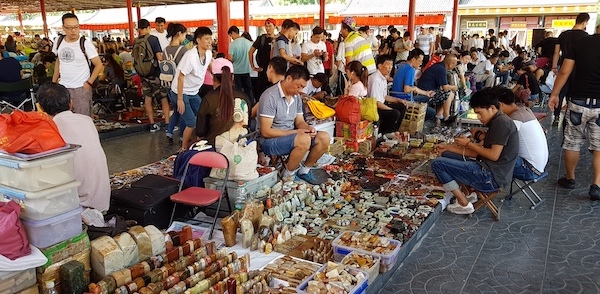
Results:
x,y
357,132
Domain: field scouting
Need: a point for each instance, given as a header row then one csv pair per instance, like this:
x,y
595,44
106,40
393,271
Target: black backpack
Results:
x,y
82,46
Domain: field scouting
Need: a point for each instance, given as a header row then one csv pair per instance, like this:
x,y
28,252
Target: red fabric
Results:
x,y
12,233
348,110
137,81
29,133
196,196
327,63
435,59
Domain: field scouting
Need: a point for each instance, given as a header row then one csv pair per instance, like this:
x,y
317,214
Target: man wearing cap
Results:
x,y
209,123
262,46
356,47
238,54
314,52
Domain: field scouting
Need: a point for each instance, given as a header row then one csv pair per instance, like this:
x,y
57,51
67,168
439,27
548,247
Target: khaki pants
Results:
x,y
81,100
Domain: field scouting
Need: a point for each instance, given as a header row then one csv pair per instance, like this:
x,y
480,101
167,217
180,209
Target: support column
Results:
x,y
411,18
20,15
73,10
223,25
138,10
130,19
247,16
43,11
454,20
322,14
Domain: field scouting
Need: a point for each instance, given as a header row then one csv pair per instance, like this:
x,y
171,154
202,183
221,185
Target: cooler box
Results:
x,y
44,204
328,127
13,282
44,233
39,174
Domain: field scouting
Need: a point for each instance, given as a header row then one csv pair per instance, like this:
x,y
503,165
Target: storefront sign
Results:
x,y
477,24
518,25
563,23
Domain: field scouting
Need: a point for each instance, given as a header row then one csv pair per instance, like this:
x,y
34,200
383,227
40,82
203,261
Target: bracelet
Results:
x,y
478,134
88,82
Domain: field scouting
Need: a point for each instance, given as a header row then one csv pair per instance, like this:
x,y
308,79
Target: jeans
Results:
x,y
503,77
243,82
281,145
522,172
192,105
174,119
451,171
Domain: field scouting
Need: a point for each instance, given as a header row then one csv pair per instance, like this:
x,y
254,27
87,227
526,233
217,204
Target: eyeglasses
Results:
x,y
71,28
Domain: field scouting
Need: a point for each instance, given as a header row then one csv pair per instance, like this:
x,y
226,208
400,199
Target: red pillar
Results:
x,y
223,25
130,18
138,10
247,16
411,18
322,13
454,19
20,15
73,10
43,11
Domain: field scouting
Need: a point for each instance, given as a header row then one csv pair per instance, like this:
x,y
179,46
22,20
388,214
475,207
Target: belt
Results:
x,y
529,166
586,102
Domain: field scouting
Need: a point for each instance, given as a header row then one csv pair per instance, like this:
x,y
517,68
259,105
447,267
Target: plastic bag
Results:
x,y
12,233
28,133
550,79
242,161
348,110
368,109
319,109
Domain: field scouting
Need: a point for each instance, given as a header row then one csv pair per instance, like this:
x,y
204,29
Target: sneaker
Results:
x,y
472,197
175,129
326,159
594,192
307,177
170,138
154,128
566,183
459,209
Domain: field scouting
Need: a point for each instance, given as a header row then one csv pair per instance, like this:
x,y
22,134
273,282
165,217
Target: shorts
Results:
x,y
192,105
581,121
281,145
439,98
151,88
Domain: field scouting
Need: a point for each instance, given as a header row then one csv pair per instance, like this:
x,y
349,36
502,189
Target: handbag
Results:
x,y
12,233
524,93
242,161
319,109
368,109
28,133
348,110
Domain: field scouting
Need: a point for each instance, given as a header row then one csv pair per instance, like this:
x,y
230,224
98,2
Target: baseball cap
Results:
x,y
349,21
271,21
219,63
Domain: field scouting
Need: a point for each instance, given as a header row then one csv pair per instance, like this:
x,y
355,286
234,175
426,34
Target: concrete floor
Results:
x,y
552,249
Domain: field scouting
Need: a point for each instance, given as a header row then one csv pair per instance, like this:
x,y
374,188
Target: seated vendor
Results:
x,y
91,168
217,110
314,86
404,82
435,79
390,109
496,158
283,129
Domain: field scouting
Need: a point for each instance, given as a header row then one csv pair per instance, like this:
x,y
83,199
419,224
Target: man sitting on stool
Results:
x,y
495,158
283,129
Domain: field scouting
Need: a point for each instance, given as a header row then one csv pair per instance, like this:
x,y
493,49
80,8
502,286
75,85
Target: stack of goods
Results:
x,y
162,167
414,118
354,134
288,273
47,192
335,278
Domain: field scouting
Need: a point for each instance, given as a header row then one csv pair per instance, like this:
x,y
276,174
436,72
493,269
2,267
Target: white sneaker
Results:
x,y
459,209
154,128
325,159
472,197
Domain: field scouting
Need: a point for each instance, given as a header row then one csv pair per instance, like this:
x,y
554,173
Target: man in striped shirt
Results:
x,y
357,48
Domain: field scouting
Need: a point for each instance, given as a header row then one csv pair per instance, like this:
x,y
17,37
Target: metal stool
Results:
x,y
523,185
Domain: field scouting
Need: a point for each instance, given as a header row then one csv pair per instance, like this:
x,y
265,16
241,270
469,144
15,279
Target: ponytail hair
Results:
x,y
173,28
364,76
360,71
226,94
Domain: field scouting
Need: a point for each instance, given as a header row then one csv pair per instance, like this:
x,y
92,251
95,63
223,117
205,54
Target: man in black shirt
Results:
x,y
263,45
545,49
583,108
565,44
493,41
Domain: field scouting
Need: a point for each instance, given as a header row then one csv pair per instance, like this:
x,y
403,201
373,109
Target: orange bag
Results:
x,y
28,133
348,110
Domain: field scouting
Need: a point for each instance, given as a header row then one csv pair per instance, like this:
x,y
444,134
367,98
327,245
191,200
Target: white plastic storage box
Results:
x,y
387,261
373,271
44,204
39,174
328,127
360,288
44,233
252,187
13,282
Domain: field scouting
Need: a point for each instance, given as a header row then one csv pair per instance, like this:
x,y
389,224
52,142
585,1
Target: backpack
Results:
x,y
82,46
143,56
167,68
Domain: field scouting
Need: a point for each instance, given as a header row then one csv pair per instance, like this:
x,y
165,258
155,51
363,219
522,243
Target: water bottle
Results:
x,y
242,196
50,288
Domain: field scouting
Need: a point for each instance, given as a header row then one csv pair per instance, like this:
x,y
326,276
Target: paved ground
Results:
x,y
552,249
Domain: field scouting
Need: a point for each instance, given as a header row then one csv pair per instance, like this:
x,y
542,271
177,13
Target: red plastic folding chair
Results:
x,y
198,196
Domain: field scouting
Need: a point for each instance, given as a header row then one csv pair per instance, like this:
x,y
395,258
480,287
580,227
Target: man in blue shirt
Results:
x,y
404,82
435,79
238,54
